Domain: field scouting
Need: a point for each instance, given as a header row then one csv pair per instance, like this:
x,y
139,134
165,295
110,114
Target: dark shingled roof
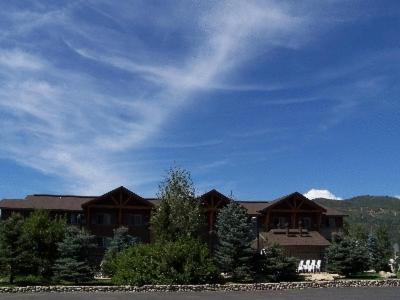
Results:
x,y
310,238
253,207
52,202
74,203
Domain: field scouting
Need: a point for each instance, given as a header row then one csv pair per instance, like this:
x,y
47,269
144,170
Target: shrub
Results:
x,y
180,262
120,241
273,265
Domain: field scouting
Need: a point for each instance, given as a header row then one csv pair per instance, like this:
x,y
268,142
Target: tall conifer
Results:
x,y
234,232
76,262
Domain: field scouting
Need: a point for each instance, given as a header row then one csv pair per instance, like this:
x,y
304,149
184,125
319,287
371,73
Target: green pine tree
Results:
x,y
233,252
347,256
39,238
179,214
11,252
120,241
373,251
76,263
385,248
275,266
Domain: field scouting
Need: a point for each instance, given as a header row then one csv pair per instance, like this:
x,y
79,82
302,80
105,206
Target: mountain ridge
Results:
x,y
370,211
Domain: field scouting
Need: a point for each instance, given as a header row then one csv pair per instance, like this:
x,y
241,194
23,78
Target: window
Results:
x,y
280,222
101,219
73,218
306,222
135,220
332,222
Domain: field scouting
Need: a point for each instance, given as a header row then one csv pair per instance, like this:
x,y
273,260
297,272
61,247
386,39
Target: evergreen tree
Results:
x,y
274,265
347,256
179,214
11,252
385,248
120,241
39,237
374,252
234,232
76,263
357,232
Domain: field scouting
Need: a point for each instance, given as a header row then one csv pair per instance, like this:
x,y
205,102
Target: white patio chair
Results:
x,y
300,267
318,266
311,267
306,266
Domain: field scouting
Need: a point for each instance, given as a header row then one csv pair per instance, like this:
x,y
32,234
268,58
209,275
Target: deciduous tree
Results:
x,y
179,214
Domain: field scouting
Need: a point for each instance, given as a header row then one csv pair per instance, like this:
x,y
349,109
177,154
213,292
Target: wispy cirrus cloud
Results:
x,y
78,91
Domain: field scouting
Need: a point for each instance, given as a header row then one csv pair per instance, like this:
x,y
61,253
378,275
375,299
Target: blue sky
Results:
x,y
261,98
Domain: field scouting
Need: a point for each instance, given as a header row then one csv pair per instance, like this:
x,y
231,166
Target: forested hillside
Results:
x,y
370,211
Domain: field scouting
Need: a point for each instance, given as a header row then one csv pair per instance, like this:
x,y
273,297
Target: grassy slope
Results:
x,y
371,211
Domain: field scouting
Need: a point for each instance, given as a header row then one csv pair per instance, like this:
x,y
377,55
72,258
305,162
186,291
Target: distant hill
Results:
x,y
371,211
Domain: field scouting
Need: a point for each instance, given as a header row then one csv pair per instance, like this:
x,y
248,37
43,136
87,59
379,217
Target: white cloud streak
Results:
x,y
62,121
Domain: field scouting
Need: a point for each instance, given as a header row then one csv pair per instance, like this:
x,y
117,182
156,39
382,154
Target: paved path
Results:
x,y
307,294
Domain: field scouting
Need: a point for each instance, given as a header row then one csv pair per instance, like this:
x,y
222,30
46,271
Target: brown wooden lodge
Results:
x,y
301,226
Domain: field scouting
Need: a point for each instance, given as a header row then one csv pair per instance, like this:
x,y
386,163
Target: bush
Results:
x,y
273,265
120,241
180,262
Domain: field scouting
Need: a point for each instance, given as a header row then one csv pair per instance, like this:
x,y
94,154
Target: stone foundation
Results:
x,y
205,287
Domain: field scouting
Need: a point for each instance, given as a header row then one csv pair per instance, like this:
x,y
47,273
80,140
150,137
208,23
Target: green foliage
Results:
x,y
120,241
179,262
233,253
382,251
273,265
40,236
11,253
358,232
75,263
178,215
28,246
347,256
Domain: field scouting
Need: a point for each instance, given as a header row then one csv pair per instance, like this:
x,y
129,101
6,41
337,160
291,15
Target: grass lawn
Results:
x,y
366,276
25,281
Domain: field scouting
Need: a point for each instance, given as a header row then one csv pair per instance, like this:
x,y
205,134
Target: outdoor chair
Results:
x,y
311,267
306,266
300,267
318,266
